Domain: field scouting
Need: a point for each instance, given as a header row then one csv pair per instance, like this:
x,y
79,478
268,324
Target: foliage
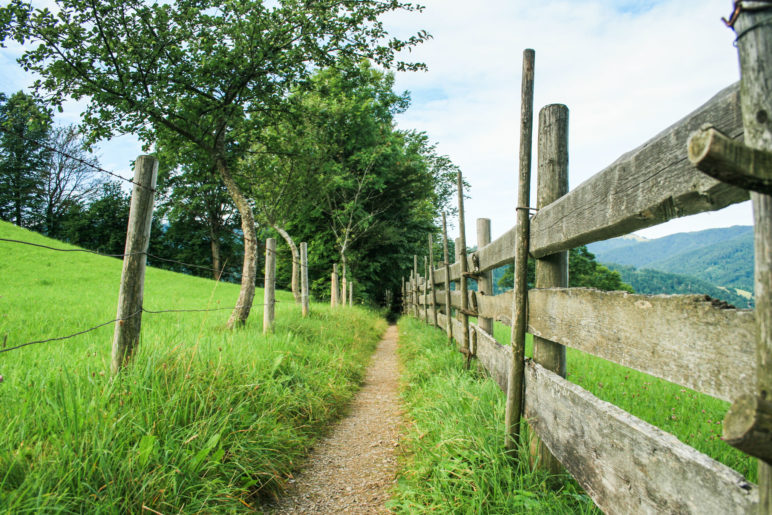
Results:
x,y
204,73
22,163
455,460
205,420
654,282
583,271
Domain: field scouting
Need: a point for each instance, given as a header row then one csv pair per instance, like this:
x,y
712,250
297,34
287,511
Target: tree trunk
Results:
x,y
248,271
295,261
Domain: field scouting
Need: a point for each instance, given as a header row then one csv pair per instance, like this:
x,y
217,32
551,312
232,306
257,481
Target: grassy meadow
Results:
x,y
205,419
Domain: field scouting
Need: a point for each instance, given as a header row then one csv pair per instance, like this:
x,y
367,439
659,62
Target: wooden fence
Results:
x,y
625,464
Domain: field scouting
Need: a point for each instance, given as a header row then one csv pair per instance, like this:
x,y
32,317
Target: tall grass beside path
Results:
x,y
204,420
453,457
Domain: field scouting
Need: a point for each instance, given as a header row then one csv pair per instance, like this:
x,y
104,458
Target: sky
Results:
x,y
626,69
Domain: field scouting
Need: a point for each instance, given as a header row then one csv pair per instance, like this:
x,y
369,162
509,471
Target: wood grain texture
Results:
x,y
644,187
485,280
755,48
684,339
624,464
132,288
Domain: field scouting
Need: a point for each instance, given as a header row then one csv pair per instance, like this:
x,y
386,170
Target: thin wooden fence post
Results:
x,y
416,286
552,270
304,300
754,45
351,293
515,380
464,271
431,281
403,295
446,263
334,293
484,280
426,289
269,304
129,316
343,290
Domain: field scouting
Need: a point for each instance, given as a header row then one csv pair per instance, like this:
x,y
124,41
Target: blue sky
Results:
x,y
626,70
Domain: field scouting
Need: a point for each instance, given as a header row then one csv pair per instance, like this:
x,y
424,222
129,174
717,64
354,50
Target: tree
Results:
x,y
204,71
68,178
23,121
583,271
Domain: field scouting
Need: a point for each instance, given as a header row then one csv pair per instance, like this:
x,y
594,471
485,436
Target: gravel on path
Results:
x,y
353,469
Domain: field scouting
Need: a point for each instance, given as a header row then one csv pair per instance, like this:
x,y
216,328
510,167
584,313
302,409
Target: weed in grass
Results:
x,y
205,419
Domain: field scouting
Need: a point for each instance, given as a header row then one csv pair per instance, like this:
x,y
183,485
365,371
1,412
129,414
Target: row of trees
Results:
x,y
265,116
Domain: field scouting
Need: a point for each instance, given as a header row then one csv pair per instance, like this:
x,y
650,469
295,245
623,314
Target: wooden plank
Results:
x,y
624,464
644,187
685,339
493,356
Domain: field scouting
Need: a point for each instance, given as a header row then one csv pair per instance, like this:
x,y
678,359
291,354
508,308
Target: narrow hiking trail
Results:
x,y
353,468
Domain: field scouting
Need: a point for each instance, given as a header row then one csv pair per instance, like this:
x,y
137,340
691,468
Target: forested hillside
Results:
x,y
654,282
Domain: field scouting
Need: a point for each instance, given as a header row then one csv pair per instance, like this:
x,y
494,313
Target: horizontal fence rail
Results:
x,y
625,464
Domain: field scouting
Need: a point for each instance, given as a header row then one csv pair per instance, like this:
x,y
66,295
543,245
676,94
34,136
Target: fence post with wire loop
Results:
x,y
129,317
269,304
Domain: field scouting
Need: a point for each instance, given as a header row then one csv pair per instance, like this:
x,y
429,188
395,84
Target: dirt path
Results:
x,y
352,470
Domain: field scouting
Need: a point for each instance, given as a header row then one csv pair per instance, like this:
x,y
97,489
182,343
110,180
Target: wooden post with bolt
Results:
x,y
129,315
269,294
515,380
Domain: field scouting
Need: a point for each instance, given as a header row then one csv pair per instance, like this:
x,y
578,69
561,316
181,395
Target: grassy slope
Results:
x,y
205,419
454,460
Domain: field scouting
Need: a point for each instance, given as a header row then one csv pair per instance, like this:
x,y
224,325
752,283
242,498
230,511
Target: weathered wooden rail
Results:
x,y
625,464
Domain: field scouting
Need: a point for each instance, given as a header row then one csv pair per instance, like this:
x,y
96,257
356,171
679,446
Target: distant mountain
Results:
x,y
722,257
654,282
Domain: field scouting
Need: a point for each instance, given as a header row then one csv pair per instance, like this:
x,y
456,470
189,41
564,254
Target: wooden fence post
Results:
x,y
515,380
485,280
754,45
426,289
351,293
129,316
431,281
416,286
343,290
464,271
334,293
304,300
552,270
403,295
446,263
269,304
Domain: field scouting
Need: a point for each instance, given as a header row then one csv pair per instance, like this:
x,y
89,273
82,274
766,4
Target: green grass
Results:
x,y
454,459
694,418
205,419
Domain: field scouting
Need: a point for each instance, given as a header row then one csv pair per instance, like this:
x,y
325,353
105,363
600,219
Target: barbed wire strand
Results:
x,y
71,335
74,158
143,310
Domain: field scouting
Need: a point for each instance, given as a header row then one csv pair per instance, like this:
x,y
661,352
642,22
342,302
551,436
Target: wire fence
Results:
x,y
116,320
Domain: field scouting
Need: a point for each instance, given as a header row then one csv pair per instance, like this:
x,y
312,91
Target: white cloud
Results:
x,y
626,70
